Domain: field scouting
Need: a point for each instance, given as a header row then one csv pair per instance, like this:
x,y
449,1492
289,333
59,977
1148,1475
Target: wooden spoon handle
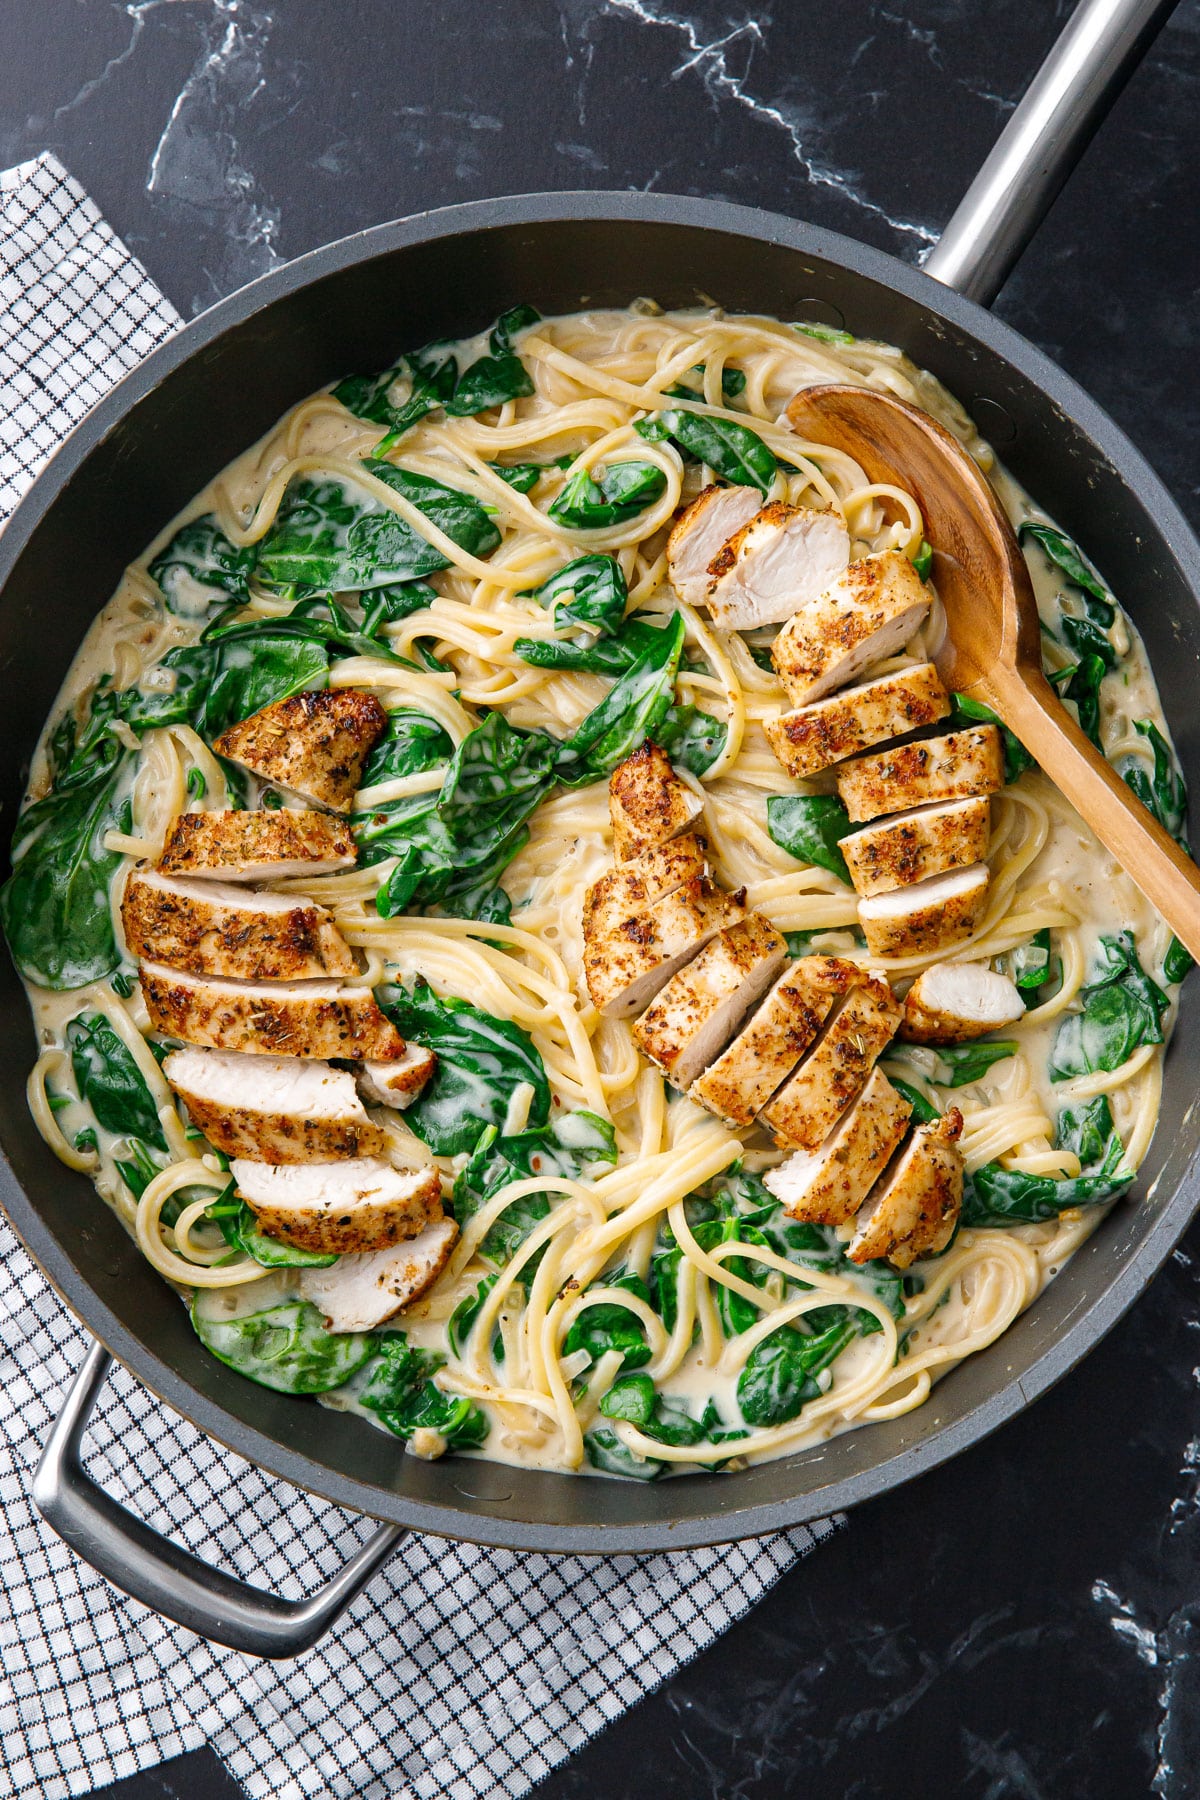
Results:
x,y
1149,855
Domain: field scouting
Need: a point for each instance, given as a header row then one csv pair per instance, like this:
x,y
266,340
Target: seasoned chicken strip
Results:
x,y
784,556
868,613
951,1003
913,1210
257,846
701,1007
910,846
834,1073
397,1083
828,1185
271,1108
638,884
647,802
315,743
767,1049
936,769
699,534
930,915
339,1208
359,1293
215,928
625,969
813,737
303,1018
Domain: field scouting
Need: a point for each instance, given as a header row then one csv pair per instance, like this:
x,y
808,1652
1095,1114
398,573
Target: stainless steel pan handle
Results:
x,y
1097,52
161,1575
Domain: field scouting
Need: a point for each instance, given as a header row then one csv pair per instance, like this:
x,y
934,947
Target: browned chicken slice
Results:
x,y
834,1073
271,1108
933,770
216,928
814,737
701,1007
315,743
257,846
626,968
741,1081
359,1293
700,533
648,803
638,884
913,1210
397,1083
868,613
930,915
339,1208
951,1003
301,1018
827,1186
914,845
783,557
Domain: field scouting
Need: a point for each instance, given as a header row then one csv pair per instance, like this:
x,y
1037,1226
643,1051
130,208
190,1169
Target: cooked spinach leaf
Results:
x,y
1164,792
219,683
523,477
239,1228
733,383
285,1347
923,1110
590,592
998,1196
961,1063
922,562
200,564
110,1081
731,451
810,827
1060,549
575,1146
608,1326
400,1391
606,1452
491,380
461,1322
631,712
1030,964
622,491
634,1398
1176,962
777,1381
827,334
691,738
1122,1009
412,742
1087,1130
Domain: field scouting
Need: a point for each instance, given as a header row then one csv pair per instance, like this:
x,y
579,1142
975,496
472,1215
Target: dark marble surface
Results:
x,y
1023,1623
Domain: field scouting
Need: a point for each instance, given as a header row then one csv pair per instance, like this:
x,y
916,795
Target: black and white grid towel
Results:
x,y
460,1672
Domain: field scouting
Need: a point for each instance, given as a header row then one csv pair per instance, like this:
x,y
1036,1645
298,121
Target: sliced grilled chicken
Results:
x,y
811,738
783,557
914,845
217,928
700,533
339,1208
930,915
301,1018
257,846
314,744
763,1054
835,1072
950,1003
647,802
915,1207
397,1083
271,1108
934,770
638,884
828,1185
868,613
700,1008
358,1293
626,968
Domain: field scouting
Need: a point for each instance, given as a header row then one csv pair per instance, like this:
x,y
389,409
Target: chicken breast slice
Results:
x,y
701,1007
811,738
257,846
936,769
359,1293
638,884
913,1210
868,613
699,534
626,968
951,1003
217,928
274,1109
648,803
783,557
314,744
928,916
835,1072
397,1083
339,1208
827,1186
738,1085
303,1018
913,845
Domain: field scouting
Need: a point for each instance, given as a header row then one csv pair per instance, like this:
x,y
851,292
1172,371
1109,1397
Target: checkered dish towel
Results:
x,y
459,1671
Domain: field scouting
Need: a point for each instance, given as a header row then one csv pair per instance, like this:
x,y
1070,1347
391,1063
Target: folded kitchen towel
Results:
x,y
460,1671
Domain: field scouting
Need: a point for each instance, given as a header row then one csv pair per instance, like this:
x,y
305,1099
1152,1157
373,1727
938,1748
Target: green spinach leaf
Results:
x,y
961,1063
589,592
239,1228
623,490
810,827
402,1393
607,1326
1163,793
1060,549
692,739
199,565
285,1347
1121,1010
606,1452
631,712
110,1081
731,451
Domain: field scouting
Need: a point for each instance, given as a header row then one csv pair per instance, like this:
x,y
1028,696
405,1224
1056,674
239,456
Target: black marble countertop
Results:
x,y
1024,1622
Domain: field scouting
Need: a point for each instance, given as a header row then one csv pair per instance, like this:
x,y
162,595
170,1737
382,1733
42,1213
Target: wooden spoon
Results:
x,y
992,647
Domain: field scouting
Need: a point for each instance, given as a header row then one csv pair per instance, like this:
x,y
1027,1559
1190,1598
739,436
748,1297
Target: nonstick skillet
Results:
x,y
215,388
